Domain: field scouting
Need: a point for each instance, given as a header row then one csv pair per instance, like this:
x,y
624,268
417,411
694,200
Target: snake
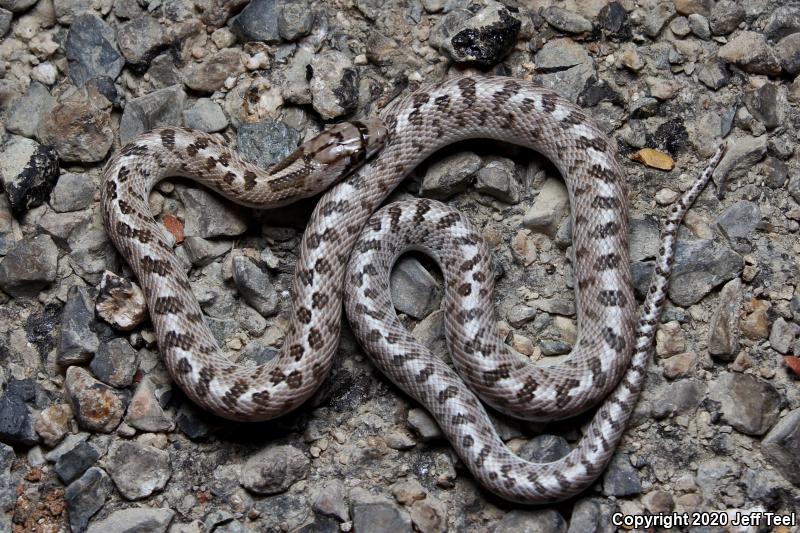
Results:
x,y
347,252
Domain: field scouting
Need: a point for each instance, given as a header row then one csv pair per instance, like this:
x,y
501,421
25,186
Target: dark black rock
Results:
x,y
258,22
614,20
16,423
599,91
29,172
39,328
346,90
76,461
91,50
487,45
450,24
671,136
348,391
85,496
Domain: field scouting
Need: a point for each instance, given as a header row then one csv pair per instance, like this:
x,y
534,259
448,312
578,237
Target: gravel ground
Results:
x,y
93,436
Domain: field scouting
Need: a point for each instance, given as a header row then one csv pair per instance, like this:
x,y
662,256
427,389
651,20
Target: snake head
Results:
x,y
327,158
348,144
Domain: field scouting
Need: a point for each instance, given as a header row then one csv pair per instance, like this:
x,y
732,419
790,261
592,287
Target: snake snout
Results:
x,y
375,133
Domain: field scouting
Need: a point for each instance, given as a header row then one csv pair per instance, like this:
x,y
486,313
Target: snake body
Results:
x,y
336,261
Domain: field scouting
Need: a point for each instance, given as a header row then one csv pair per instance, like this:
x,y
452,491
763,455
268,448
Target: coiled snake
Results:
x,y
610,355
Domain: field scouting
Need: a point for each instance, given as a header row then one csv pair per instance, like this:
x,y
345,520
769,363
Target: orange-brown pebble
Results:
x,y
654,158
174,226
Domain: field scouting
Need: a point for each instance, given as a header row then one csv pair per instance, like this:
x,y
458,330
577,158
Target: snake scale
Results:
x,y
348,245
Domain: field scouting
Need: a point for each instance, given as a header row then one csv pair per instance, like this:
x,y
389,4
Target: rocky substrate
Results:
x,y
95,437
